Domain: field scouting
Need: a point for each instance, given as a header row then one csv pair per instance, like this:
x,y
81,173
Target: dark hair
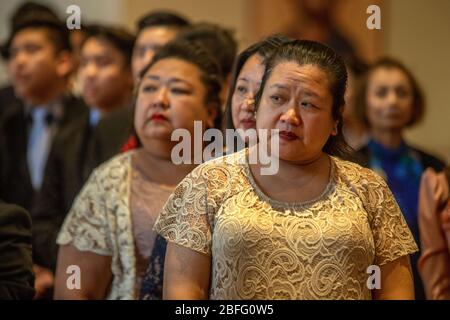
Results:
x,y
389,63
197,55
264,49
42,18
305,52
118,37
219,41
161,19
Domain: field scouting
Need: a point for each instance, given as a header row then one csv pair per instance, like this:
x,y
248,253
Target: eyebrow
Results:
x,y
172,80
247,80
307,92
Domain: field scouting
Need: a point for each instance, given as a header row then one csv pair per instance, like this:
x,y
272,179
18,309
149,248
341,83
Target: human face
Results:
x,y
34,66
171,96
389,99
297,101
243,99
105,76
149,41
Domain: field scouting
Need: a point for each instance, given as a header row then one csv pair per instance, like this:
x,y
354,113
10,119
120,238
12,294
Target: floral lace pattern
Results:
x,y
265,249
113,215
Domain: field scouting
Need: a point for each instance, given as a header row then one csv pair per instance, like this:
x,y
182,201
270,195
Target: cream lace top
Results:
x,y
113,215
265,249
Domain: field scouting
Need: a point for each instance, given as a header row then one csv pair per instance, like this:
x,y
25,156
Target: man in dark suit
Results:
x,y
39,64
105,71
16,265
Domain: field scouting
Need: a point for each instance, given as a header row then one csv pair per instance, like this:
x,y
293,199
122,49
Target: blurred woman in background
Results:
x,y
390,101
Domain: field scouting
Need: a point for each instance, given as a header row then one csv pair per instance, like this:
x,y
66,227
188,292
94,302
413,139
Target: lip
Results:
x,y
157,117
248,123
287,135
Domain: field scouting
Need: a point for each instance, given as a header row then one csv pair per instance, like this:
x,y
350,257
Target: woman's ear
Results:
x,y
334,132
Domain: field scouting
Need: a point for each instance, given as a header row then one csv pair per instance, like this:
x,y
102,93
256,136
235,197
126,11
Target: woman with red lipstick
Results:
x,y
245,81
108,232
389,102
312,230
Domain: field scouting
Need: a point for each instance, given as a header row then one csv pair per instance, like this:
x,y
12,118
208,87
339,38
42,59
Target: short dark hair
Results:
x,y
264,48
196,54
120,38
305,52
56,30
389,63
161,19
219,41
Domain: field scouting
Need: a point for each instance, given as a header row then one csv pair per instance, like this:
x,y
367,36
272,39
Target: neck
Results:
x,y
161,169
300,172
46,97
115,104
391,139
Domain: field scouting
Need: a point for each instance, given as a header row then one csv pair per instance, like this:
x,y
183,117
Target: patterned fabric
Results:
x,y
101,222
152,283
266,249
402,170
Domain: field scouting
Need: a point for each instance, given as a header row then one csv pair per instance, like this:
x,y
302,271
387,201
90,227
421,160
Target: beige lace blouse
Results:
x,y
265,249
113,215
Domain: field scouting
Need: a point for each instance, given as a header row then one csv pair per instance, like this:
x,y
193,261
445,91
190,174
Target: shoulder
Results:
x,y
357,176
115,168
74,108
13,217
428,160
226,165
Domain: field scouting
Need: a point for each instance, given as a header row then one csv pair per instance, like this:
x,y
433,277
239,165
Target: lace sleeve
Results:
x,y
184,218
391,234
85,226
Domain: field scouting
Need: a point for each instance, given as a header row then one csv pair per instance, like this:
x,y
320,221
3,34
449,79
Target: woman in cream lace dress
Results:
x,y
314,230
108,232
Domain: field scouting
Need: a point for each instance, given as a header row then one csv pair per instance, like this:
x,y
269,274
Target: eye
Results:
x,y
402,93
307,105
241,89
149,88
275,98
31,48
381,92
102,62
180,91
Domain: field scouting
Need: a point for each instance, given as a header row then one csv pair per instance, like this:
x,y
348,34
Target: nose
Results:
x,y
89,71
249,103
392,97
162,98
291,117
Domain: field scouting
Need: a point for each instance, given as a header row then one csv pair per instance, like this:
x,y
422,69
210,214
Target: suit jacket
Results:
x,y
16,265
76,152
112,133
7,99
15,181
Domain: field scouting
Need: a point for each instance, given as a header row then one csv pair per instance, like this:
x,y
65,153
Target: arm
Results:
x,y
47,219
95,274
396,281
16,273
434,263
186,274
